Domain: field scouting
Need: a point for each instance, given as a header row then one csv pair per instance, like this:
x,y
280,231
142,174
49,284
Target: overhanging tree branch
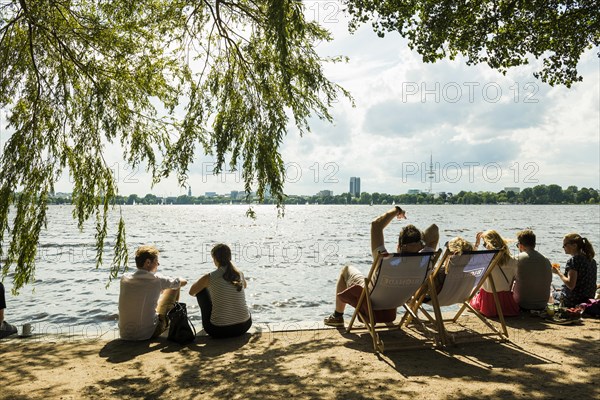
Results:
x,y
501,34
88,73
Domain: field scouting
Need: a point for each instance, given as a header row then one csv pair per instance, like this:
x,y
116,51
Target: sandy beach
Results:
x,y
542,361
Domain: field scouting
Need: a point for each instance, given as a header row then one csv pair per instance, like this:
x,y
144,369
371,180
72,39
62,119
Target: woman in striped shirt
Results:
x,y
221,297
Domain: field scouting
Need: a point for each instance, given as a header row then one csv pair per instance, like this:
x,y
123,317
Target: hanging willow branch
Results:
x,y
78,75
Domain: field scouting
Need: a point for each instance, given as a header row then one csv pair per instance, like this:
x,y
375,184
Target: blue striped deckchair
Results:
x,y
466,274
392,282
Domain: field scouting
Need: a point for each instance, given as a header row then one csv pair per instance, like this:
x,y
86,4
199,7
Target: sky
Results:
x,y
483,131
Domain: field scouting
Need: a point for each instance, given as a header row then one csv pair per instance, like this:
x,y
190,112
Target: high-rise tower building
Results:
x,y
430,173
355,186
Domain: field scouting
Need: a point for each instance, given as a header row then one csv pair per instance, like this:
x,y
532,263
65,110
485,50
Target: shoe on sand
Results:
x,y
332,320
7,329
539,313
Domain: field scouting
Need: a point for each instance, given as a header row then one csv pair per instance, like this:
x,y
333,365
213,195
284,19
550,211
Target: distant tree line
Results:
x,y
541,194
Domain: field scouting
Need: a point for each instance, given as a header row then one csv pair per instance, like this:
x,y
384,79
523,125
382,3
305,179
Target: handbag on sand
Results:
x,y
181,329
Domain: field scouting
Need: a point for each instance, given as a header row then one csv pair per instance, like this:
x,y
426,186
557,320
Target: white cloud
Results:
x,y
470,116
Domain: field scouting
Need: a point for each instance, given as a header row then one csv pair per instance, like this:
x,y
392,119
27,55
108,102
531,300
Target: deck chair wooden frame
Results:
x,y
438,320
406,285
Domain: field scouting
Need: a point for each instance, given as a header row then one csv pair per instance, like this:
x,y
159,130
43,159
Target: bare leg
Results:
x,y
1,316
342,285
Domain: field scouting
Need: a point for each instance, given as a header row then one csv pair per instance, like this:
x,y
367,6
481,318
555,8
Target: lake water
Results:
x,y
291,263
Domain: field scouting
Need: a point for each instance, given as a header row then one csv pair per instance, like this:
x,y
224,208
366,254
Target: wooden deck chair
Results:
x,y
466,274
392,281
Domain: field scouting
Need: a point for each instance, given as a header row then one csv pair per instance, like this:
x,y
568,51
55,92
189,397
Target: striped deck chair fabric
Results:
x,y
465,276
392,282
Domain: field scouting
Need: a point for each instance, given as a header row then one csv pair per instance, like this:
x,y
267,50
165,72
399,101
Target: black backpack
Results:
x,y
181,329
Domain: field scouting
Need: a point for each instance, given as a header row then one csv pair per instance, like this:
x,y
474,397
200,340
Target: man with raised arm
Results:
x,y
409,240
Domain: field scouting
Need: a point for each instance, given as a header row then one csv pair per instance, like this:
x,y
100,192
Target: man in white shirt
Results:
x,y
146,297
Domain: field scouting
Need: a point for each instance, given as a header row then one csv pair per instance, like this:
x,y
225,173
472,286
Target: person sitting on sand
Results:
x,y
579,279
6,329
146,297
503,275
221,297
409,240
534,274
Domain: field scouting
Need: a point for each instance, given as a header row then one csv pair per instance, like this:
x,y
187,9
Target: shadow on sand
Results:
x,y
320,364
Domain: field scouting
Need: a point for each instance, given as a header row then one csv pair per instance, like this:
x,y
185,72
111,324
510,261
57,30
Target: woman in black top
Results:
x,y
579,278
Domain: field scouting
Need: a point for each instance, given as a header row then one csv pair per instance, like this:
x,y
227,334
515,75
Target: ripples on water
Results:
x,y
291,263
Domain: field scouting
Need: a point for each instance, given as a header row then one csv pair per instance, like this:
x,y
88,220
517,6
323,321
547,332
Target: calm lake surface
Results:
x,y
291,263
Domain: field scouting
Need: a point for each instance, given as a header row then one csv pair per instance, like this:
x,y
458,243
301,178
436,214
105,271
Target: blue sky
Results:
x,y
484,130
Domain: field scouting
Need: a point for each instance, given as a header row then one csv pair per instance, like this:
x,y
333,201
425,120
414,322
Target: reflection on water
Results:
x,y
291,263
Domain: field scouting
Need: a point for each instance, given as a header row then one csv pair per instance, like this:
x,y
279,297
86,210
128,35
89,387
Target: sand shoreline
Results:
x,y
542,361
52,332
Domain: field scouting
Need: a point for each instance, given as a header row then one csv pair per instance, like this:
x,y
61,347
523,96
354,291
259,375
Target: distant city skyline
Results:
x,y
241,195
551,194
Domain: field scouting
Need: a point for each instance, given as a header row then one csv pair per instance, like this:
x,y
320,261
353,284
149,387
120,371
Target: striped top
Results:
x,y
228,305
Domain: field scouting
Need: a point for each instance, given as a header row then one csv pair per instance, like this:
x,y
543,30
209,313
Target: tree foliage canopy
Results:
x,y
158,77
501,33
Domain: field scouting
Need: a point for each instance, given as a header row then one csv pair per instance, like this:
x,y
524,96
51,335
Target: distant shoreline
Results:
x,y
540,195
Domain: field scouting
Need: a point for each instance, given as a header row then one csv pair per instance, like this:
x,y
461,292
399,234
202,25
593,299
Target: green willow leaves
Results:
x,y
156,77
502,34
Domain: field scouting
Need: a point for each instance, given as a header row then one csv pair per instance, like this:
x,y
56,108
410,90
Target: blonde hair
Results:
x,y
144,253
583,245
498,243
456,246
